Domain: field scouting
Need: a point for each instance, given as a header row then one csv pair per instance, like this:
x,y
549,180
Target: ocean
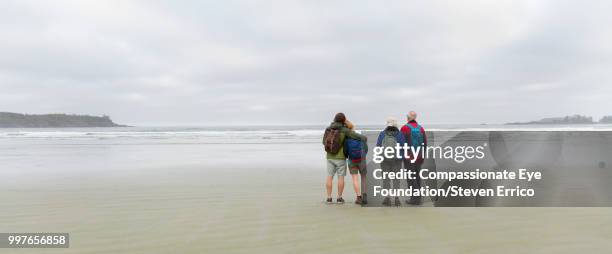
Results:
x,y
246,190
234,134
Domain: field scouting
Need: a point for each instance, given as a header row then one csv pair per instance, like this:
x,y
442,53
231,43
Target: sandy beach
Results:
x,y
162,197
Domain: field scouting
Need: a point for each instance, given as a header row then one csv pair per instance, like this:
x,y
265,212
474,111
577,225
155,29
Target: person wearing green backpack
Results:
x,y
415,137
390,137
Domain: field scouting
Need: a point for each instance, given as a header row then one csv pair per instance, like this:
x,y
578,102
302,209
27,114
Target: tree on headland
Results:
x,y
15,120
573,119
606,119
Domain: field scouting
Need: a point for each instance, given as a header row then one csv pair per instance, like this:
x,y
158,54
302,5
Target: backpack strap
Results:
x,y
417,127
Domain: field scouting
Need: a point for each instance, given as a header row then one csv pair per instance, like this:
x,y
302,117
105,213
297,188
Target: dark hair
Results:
x,y
340,118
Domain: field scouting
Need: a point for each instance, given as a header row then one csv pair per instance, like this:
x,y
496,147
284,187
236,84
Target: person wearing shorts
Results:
x,y
358,169
336,162
336,167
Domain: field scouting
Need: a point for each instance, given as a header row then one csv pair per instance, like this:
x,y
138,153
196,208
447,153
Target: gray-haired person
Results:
x,y
415,137
390,137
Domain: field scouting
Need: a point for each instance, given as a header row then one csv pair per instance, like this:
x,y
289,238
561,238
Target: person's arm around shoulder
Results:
x,y
352,134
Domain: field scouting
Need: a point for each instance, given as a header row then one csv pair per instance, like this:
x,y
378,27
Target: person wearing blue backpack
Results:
x,y
415,137
356,151
390,137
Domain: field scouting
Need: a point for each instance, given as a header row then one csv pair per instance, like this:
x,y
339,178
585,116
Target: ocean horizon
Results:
x,y
253,134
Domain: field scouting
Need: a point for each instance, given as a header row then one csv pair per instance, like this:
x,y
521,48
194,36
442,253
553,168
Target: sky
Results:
x,y
300,62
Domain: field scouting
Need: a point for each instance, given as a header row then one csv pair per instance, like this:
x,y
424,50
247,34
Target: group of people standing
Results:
x,y
346,148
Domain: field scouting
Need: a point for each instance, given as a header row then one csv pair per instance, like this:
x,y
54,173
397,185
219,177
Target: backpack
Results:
x,y
331,140
416,137
354,149
389,141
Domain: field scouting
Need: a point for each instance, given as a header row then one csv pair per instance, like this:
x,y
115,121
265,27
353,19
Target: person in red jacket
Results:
x,y
415,136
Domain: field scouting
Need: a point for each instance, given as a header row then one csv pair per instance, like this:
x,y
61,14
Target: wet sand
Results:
x,y
203,198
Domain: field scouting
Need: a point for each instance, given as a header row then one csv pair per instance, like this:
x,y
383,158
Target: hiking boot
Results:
x,y
364,200
329,201
414,201
386,202
358,201
340,200
397,202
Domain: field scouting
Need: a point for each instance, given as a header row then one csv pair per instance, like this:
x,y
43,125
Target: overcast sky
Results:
x,y
298,62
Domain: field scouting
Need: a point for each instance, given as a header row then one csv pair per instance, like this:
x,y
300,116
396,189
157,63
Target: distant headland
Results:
x,y
574,119
15,120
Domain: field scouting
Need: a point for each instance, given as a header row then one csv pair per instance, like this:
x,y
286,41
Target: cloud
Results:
x,y
288,62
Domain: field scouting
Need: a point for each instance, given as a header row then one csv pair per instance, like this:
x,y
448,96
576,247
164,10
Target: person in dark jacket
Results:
x,y
390,137
415,136
358,168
